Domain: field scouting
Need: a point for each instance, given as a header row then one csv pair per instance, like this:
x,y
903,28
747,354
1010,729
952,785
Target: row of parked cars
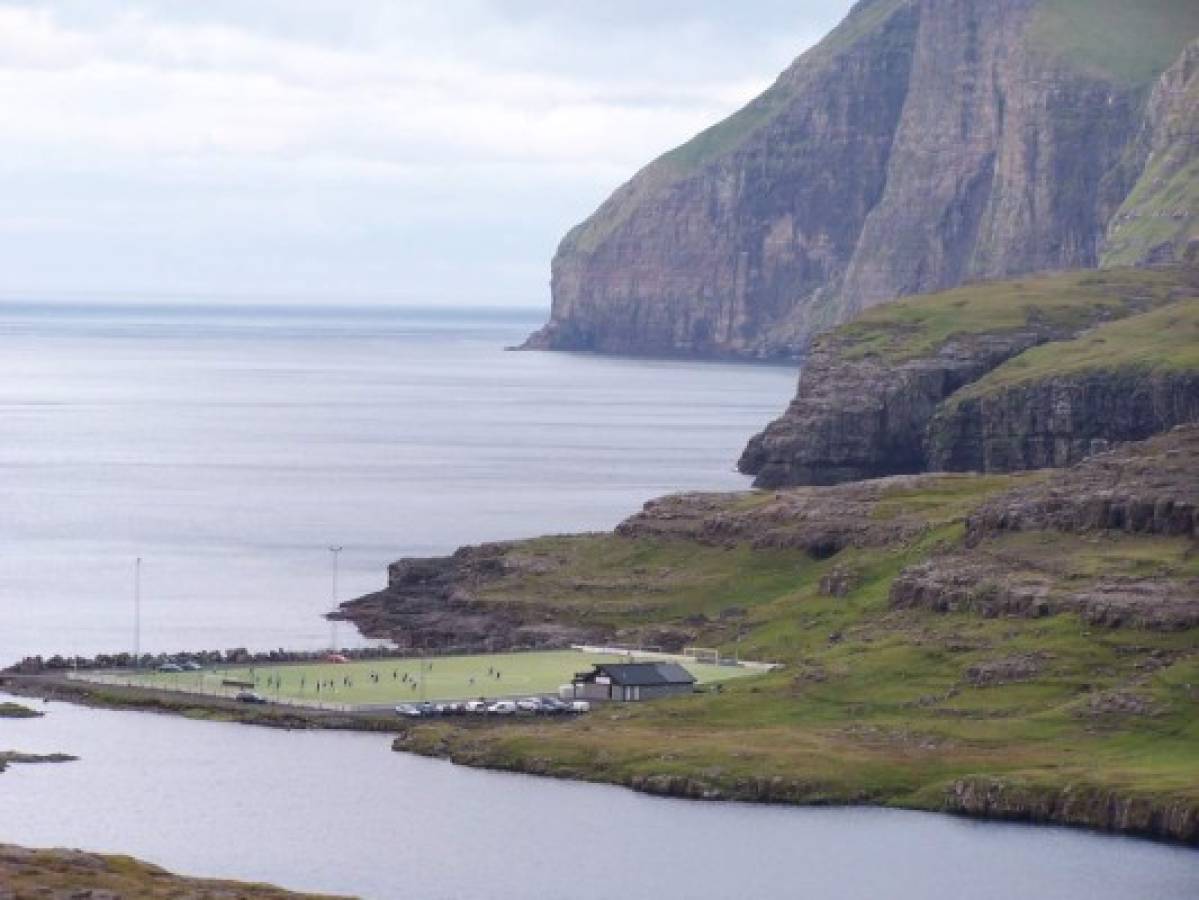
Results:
x,y
533,706
188,666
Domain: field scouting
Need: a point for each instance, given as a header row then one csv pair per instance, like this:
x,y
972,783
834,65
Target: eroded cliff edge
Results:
x,y
1000,376
923,144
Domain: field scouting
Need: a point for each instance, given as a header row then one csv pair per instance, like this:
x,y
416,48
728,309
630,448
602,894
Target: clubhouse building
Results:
x,y
628,682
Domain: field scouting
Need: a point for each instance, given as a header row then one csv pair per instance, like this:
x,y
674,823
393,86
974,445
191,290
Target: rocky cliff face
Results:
x,y
924,143
1057,422
431,603
865,418
1159,221
910,388
1146,488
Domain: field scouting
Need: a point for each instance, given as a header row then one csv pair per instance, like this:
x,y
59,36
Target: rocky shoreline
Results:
x,y
1077,805
79,875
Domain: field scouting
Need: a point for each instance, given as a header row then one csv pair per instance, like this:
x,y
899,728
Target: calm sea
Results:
x,y
229,448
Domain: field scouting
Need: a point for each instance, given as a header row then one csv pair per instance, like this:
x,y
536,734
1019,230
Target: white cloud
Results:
x,y
233,147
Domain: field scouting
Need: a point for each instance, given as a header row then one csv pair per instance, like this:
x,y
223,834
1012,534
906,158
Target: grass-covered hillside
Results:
x,y
949,642
1064,303
1162,341
1116,39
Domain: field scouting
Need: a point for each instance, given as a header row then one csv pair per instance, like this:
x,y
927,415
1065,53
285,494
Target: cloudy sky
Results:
x,y
366,151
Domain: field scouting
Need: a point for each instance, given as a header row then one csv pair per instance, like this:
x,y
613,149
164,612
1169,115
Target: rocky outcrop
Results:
x,y
1159,221
8,757
861,417
923,144
1059,421
1081,804
884,395
820,521
969,583
429,603
1145,488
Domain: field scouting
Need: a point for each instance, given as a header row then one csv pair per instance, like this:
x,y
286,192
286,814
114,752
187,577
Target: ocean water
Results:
x,y
229,448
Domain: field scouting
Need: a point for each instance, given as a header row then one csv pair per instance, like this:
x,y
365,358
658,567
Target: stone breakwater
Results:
x,y
32,665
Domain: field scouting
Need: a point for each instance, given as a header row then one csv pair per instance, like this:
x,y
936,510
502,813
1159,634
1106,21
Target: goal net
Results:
x,y
708,655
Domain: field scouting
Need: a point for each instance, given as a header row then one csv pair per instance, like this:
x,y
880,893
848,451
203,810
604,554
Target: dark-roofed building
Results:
x,y
633,681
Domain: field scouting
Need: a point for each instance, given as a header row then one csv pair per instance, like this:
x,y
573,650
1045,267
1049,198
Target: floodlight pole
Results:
x,y
336,551
137,611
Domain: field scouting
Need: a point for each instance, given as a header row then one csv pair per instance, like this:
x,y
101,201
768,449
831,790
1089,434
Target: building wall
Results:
x,y
629,694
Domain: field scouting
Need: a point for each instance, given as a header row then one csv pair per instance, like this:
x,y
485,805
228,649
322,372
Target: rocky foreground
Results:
x,y
1017,646
75,875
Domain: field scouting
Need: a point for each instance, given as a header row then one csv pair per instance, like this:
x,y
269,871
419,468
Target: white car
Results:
x,y
529,705
580,706
502,708
478,707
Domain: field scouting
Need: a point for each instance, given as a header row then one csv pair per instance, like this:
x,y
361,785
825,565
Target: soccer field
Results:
x,y
390,681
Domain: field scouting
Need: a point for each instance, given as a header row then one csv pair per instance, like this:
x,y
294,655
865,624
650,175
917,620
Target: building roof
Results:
x,y
643,674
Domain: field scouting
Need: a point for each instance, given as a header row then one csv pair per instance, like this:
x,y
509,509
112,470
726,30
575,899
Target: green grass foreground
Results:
x,y
400,680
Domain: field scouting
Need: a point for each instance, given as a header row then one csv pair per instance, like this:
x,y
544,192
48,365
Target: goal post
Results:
x,y
709,655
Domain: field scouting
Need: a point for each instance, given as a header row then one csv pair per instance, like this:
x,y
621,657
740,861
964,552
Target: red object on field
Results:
x,y
335,658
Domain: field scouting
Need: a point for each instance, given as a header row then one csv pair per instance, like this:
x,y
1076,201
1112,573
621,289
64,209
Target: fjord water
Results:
x,y
229,448
342,813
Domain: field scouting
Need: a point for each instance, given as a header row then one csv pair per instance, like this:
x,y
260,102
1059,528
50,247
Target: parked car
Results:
x,y
552,706
454,709
580,706
170,667
476,707
428,709
502,708
529,705
191,666
250,697
408,711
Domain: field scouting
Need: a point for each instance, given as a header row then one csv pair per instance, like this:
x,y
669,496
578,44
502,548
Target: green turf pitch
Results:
x,y
386,681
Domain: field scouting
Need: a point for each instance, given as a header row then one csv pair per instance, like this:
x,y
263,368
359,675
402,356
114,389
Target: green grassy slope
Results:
x,y
874,704
919,326
1164,340
1132,42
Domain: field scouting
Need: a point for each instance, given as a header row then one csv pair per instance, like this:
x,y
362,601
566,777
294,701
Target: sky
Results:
x,y
359,152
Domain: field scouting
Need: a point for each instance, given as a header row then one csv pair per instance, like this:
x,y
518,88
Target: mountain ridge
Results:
x,y
921,145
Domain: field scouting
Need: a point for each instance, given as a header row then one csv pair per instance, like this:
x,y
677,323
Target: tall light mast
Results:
x,y
137,611
336,551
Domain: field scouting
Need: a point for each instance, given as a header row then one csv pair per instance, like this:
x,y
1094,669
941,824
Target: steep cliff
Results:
x,y
1159,221
870,389
924,143
1056,405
